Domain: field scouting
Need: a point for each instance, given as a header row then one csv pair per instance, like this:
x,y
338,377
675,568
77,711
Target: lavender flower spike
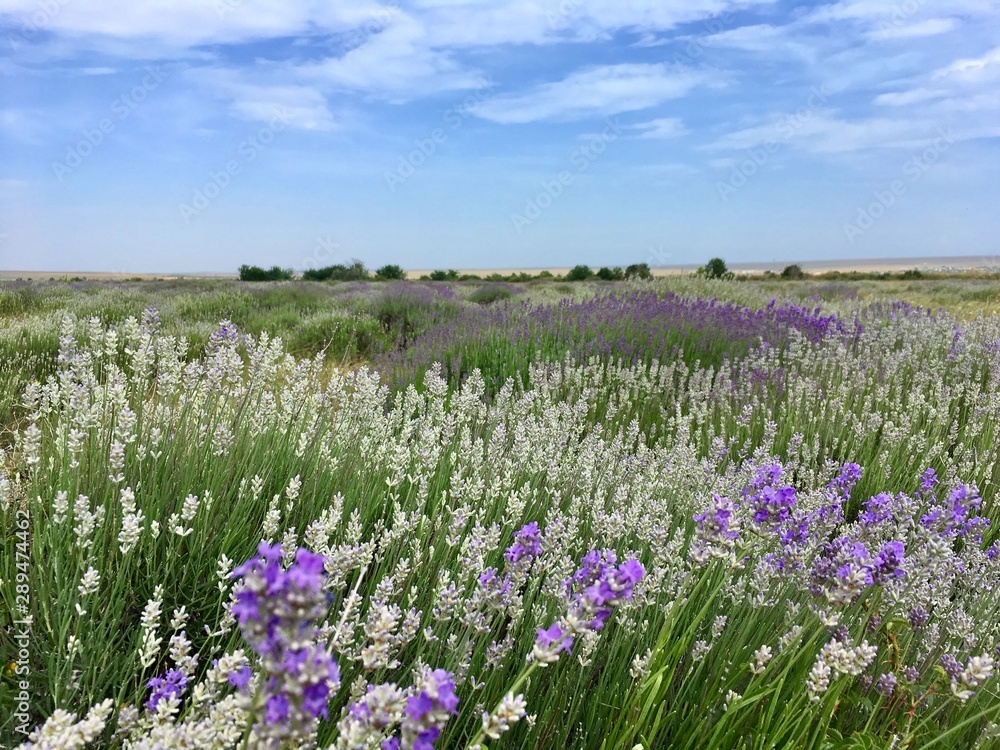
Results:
x,y
277,610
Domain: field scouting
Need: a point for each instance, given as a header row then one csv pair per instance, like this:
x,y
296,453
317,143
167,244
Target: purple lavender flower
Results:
x,y
954,518
227,333
911,674
527,544
601,585
171,685
604,586
951,665
765,476
772,505
927,481
553,638
889,562
886,684
918,618
241,678
716,529
842,484
277,610
877,509
494,588
428,710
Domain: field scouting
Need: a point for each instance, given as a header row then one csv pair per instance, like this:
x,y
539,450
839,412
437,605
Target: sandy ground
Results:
x,y
865,265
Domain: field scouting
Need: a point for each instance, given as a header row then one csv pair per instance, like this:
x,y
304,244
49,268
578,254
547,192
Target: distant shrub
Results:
x,y
579,273
638,271
912,273
715,269
793,271
611,274
256,273
355,271
490,293
406,310
450,275
391,272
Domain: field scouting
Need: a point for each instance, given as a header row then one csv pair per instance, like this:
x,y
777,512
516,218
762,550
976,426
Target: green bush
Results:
x,y
579,273
256,273
356,271
390,272
490,293
793,271
715,269
611,274
638,271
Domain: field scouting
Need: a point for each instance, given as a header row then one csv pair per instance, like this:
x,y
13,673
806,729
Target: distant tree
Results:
x,y
356,271
252,273
274,273
391,272
449,275
715,269
579,273
638,271
317,274
610,274
793,271
545,274
912,273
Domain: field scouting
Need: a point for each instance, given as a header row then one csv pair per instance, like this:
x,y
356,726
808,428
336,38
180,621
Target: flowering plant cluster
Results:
x,y
656,552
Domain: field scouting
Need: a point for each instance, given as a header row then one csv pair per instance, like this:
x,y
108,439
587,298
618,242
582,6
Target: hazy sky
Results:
x,y
196,135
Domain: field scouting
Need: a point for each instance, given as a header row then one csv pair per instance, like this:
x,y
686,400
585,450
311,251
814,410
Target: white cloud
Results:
x,y
786,41
598,91
977,68
395,63
186,22
968,84
254,98
928,27
825,133
661,127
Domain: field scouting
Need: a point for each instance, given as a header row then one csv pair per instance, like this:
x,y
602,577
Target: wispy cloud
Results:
x,y
661,127
598,91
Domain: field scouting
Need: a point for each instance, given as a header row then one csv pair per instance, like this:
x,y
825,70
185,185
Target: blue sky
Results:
x,y
196,135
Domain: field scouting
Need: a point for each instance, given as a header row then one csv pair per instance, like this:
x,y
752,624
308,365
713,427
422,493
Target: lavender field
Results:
x,y
681,513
